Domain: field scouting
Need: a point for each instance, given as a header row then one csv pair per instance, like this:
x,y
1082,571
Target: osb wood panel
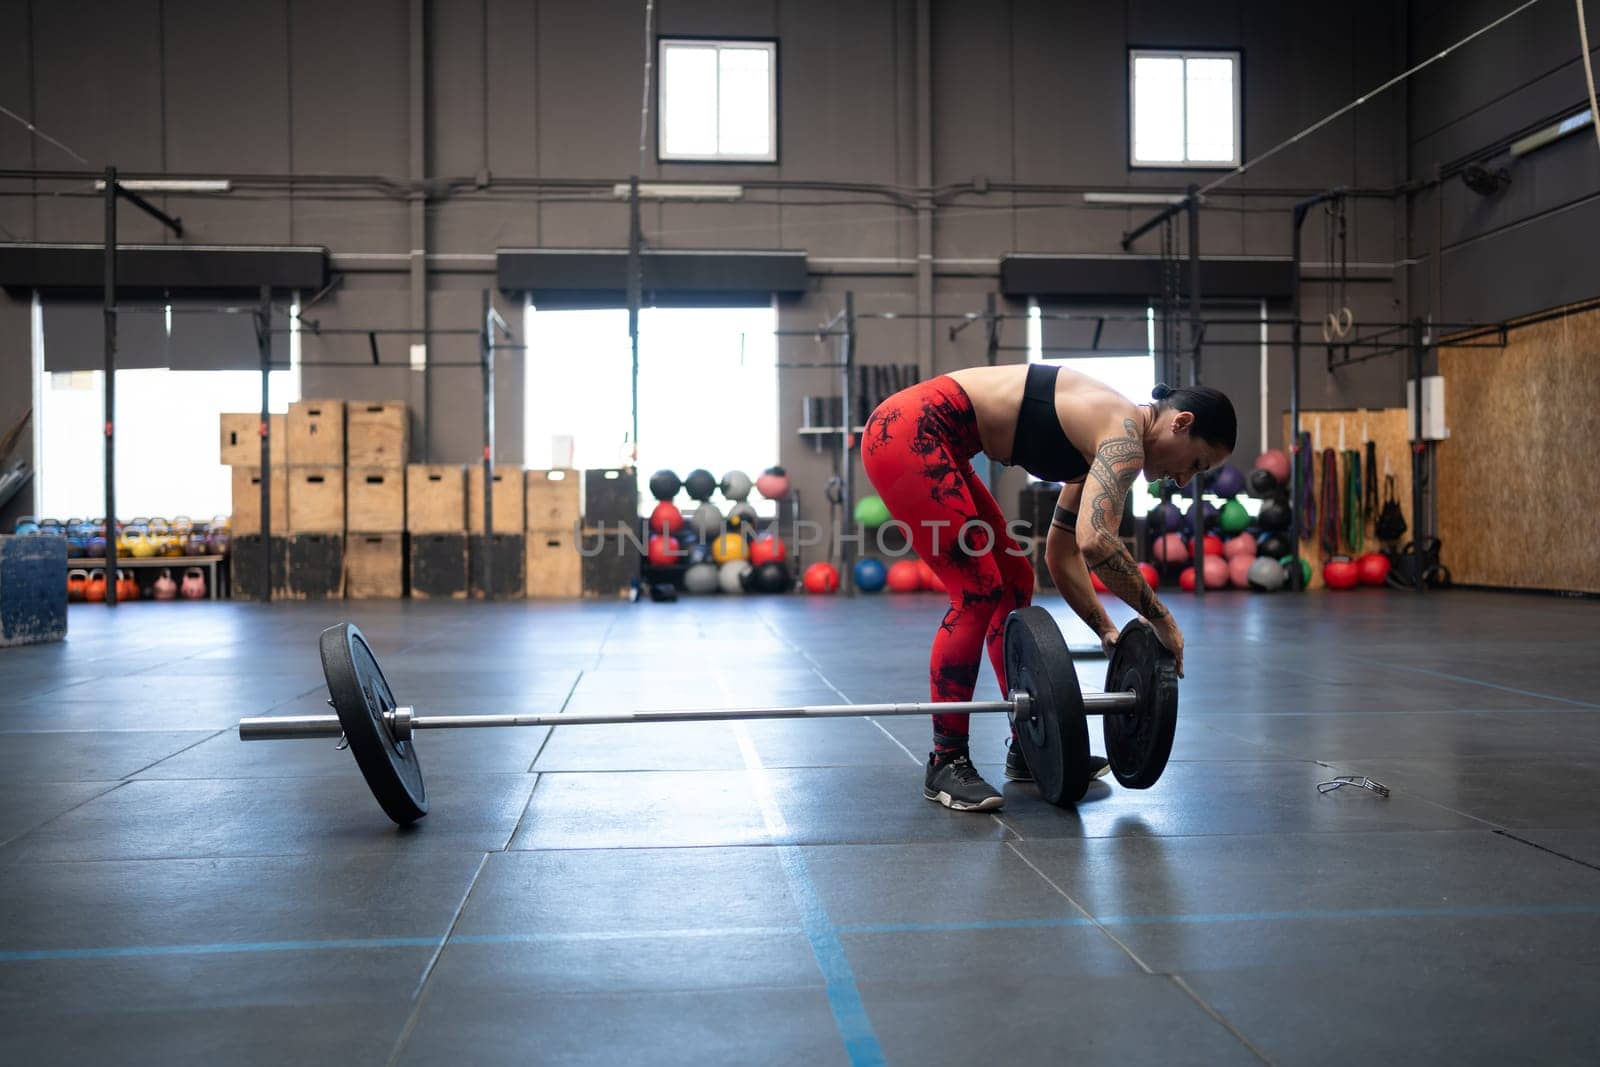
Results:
x,y
1517,474
1386,428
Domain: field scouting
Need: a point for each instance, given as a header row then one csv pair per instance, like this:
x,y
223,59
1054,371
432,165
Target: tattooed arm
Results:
x,y
1117,462
1067,568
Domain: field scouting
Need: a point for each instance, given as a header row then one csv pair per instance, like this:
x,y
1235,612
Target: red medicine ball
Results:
x,y
821,578
1151,575
664,551
666,518
904,576
767,549
1099,586
1339,574
1373,568
1186,580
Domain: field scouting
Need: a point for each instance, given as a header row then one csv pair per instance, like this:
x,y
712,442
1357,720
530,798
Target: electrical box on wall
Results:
x,y
1433,424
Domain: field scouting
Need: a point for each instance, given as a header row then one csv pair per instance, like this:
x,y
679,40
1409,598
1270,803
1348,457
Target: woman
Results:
x,y
1058,425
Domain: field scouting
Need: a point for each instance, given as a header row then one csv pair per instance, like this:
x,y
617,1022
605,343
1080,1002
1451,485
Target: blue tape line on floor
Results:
x,y
824,941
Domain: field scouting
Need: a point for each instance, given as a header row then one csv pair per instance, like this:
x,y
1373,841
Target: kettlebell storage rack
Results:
x,y
212,565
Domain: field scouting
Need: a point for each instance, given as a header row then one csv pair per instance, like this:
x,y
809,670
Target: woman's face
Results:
x,y
1177,454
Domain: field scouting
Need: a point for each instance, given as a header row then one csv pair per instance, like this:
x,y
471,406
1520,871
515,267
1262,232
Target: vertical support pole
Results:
x,y
486,361
1419,340
263,317
1296,578
635,300
924,163
847,436
991,355
1197,487
109,384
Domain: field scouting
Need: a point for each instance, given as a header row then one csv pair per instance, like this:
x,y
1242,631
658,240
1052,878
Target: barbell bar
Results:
x,y
1046,707
402,721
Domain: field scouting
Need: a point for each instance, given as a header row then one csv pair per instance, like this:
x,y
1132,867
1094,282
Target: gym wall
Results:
x,y
1025,92
1515,481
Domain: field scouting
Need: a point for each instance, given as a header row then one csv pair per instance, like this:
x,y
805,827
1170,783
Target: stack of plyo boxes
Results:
x,y
554,567
378,445
496,557
248,553
315,447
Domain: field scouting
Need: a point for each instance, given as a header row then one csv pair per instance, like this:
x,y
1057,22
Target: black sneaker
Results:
x,y
1017,764
956,784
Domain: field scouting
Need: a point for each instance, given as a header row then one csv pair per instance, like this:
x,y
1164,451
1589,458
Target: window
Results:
x,y
1185,109
718,101
708,392
167,441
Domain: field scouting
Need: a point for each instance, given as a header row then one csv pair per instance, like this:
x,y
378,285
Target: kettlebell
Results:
x,y
194,584
77,584
139,544
94,590
127,586
165,588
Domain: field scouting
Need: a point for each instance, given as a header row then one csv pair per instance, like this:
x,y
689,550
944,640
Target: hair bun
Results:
x,y
1161,391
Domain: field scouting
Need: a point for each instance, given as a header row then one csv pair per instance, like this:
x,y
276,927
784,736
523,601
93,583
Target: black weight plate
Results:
x,y
1138,745
360,696
1055,735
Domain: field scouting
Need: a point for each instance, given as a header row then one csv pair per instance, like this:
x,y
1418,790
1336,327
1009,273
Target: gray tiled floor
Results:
x,y
777,891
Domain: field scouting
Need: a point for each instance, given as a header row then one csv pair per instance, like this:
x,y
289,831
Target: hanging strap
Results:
x,y
1328,500
1355,519
1372,478
1306,506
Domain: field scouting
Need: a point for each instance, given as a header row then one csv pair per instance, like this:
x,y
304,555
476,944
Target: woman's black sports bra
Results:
x,y
1040,446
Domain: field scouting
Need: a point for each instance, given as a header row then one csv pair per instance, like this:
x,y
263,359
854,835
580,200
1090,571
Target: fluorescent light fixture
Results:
x,y
1553,132
171,185
1131,198
659,191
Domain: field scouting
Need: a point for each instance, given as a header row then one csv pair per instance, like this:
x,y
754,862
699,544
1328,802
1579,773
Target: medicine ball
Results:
x,y
700,484
1242,546
1339,573
1373,568
698,554
700,578
1239,571
1213,545
664,551
1233,518
1263,483
706,520
742,517
1273,545
871,512
1152,576
771,577
1274,461
773,483
904,576
664,485
1216,572
1228,481
1096,584
1169,548
1305,570
1163,518
870,575
768,548
735,485
732,575
1186,580
730,546
1274,516
821,578
1265,575
666,518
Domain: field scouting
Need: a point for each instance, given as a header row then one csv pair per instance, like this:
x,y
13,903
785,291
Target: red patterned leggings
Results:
x,y
918,451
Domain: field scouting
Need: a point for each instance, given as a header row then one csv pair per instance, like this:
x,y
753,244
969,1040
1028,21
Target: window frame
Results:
x,y
665,41
1186,54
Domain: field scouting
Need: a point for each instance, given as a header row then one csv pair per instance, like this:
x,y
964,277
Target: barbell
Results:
x,y
1046,707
